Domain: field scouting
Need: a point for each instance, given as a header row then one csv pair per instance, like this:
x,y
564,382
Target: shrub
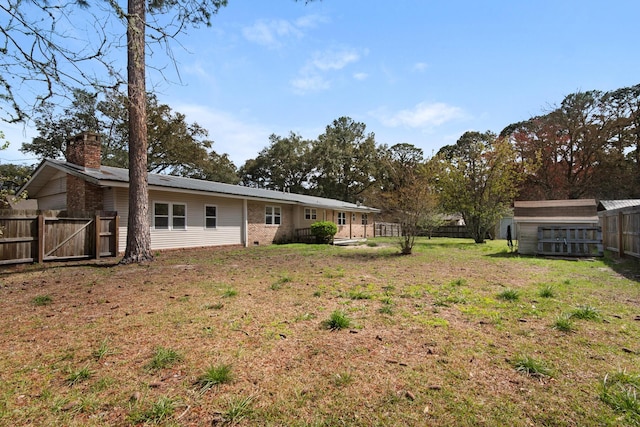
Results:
x,y
324,231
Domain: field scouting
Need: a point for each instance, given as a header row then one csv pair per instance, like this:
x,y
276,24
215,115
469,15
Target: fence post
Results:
x,y
116,235
97,245
40,254
620,235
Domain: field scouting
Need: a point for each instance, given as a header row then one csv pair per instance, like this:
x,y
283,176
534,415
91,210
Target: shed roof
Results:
x,y
558,209
608,205
119,177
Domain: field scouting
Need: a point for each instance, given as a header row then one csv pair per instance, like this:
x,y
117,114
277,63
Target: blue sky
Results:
x,y
420,72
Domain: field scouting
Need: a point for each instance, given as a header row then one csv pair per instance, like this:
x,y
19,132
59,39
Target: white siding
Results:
x,y
229,221
53,196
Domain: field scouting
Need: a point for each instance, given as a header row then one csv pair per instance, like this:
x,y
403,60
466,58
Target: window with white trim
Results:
x,y
272,215
178,216
342,218
365,219
210,216
169,216
161,216
310,213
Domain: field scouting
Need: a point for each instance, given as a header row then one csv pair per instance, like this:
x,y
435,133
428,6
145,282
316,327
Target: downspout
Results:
x,y
245,224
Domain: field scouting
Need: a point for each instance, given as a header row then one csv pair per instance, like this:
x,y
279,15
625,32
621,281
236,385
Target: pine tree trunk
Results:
x,y
138,233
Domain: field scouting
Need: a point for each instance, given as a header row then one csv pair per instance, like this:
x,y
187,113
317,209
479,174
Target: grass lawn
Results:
x,y
456,334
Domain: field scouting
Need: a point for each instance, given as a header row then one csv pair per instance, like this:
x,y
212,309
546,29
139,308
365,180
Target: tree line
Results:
x,y
588,146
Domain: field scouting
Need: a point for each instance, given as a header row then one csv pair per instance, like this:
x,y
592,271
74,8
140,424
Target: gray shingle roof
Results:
x,y
108,175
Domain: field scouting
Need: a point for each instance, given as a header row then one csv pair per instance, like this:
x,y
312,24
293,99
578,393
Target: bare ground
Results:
x,y
430,342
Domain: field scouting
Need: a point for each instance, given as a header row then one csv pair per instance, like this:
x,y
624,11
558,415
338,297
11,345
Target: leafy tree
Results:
x,y
409,194
586,147
217,167
175,146
478,179
284,165
12,177
346,159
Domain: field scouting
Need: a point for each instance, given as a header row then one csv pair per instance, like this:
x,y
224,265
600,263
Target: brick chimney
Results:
x,y
84,150
83,196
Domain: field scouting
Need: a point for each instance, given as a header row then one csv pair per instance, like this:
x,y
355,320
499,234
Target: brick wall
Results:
x,y
84,150
262,234
83,196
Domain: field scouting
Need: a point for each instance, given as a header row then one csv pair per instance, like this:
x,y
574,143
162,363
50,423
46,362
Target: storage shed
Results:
x,y
558,227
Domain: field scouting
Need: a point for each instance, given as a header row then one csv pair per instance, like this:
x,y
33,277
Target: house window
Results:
x,y
167,215
179,216
161,216
342,218
310,213
272,215
210,216
365,219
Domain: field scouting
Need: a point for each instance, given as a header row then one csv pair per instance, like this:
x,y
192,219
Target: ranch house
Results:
x,y
187,212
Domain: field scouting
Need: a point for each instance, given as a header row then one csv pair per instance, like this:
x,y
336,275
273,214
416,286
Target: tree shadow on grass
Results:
x,y
34,267
370,254
628,267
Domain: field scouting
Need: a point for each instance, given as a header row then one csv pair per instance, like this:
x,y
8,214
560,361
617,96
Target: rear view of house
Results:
x,y
187,212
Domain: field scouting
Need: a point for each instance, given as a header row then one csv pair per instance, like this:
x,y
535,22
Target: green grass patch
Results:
x,y
229,292
585,312
509,295
563,323
336,321
532,367
79,376
620,391
41,300
163,358
547,291
213,376
161,410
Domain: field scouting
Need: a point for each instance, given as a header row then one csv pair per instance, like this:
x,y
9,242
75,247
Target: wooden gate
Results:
x,y
37,236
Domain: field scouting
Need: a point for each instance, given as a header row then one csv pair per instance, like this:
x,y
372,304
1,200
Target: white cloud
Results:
x,y
241,140
422,115
312,77
311,21
310,83
334,60
270,33
360,76
420,66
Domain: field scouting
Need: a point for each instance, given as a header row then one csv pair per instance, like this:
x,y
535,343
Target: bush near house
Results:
x,y
324,231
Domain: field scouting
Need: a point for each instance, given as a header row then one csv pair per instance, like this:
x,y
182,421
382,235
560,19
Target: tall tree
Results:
x,y
479,179
346,159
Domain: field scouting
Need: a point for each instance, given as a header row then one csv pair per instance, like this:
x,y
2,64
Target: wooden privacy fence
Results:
x,y
386,229
37,236
621,231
